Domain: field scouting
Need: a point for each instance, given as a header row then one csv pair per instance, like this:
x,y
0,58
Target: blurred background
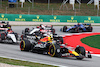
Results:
x,y
48,7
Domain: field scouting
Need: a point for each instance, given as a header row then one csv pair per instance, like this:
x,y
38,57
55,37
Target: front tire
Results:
x,y
54,50
81,51
52,30
2,36
90,29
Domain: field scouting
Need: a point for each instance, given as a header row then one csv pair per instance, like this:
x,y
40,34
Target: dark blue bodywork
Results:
x,y
78,28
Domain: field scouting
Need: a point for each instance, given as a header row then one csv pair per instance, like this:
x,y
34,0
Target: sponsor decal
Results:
x,y
37,19
3,18
89,20
72,20
55,19
20,18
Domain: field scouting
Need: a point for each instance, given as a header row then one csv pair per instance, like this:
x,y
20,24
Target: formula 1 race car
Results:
x,y
78,28
38,31
53,48
42,28
7,35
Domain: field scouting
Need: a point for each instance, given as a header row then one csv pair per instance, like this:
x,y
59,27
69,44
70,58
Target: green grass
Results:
x,y
92,41
23,63
42,9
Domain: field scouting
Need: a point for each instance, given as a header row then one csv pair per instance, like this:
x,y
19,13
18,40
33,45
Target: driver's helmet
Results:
x,y
78,24
9,27
50,38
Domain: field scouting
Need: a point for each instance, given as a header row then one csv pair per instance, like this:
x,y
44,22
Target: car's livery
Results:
x,y
6,33
78,28
53,47
38,31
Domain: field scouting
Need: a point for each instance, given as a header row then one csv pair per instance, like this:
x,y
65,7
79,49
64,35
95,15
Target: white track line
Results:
x,y
34,61
98,55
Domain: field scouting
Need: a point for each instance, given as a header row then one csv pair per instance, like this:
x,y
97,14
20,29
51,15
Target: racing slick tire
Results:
x,y
78,30
53,31
81,51
55,50
64,28
26,30
25,45
90,29
2,36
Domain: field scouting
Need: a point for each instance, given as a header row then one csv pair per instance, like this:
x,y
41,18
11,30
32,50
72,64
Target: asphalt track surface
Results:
x,y
13,51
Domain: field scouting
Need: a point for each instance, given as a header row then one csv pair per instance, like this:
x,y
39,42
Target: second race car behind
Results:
x,y
78,28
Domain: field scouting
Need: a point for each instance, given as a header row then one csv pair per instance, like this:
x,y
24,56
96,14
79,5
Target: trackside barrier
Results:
x,y
49,18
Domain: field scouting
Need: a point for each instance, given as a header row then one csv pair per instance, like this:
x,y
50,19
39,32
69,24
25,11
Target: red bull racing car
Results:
x,y
53,47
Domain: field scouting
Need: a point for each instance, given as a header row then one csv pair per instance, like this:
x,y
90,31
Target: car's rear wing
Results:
x,y
87,24
49,25
5,22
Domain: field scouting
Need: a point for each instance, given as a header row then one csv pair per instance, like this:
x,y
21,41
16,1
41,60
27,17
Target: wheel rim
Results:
x,y
52,50
22,45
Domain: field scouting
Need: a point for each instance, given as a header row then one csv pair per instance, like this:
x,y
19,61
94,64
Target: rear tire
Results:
x,y
2,36
25,45
64,28
90,29
26,30
53,31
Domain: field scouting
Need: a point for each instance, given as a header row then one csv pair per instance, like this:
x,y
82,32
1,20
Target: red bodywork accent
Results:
x,y
22,37
3,28
44,39
10,31
38,27
43,31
